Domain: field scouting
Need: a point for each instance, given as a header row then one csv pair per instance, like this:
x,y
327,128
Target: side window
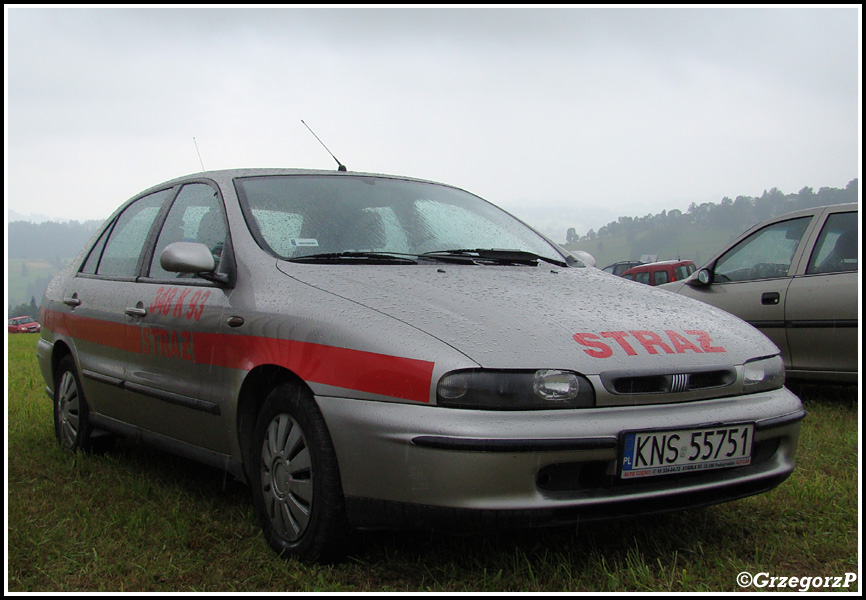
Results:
x,y
836,248
124,245
642,277
765,254
660,277
196,216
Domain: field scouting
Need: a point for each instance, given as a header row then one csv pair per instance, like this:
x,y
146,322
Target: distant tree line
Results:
x,y
49,241
739,214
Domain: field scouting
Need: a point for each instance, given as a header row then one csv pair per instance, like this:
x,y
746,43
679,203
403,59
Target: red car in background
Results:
x,y
24,325
661,272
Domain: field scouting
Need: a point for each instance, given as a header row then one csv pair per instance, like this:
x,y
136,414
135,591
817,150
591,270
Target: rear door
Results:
x,y
94,309
821,308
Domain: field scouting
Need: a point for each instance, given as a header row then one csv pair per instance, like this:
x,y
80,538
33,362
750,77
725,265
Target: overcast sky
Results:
x,y
567,117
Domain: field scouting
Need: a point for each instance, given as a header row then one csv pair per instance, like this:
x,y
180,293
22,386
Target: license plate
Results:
x,y
650,453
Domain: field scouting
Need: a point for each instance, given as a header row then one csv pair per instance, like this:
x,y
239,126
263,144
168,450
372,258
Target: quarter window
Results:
x,y
123,248
92,261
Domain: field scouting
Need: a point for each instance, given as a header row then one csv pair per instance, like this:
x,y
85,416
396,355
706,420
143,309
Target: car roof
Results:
x,y
226,175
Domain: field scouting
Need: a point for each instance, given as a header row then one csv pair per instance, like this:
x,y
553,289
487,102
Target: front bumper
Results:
x,y
547,466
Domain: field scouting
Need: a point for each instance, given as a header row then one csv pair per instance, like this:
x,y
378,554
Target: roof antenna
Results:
x,y
199,153
340,166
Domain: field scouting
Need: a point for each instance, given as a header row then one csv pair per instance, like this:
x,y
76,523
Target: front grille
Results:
x,y
630,384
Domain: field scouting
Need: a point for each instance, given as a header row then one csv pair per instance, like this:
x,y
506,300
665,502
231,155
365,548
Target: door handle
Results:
x,y
136,311
72,300
770,298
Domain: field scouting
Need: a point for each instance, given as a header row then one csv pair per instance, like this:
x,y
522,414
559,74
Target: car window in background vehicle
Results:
x,y
660,277
642,277
764,254
195,216
836,248
123,248
684,271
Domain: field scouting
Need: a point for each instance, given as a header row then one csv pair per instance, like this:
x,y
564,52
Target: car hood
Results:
x,y
506,317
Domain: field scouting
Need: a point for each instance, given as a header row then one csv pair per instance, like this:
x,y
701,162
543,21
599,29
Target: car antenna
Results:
x,y
199,153
340,166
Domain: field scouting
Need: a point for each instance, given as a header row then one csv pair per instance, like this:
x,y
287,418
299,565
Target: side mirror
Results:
x,y
584,257
187,257
703,277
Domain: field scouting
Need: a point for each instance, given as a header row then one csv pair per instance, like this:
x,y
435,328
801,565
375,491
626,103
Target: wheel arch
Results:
x,y
60,351
255,388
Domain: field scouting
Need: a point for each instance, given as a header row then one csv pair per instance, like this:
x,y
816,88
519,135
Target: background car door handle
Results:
x,y
770,298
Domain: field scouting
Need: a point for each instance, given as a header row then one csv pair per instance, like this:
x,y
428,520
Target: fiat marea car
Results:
x,y
370,351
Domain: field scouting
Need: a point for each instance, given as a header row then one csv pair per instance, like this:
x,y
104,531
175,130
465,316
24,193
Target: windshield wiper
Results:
x,y
368,258
510,257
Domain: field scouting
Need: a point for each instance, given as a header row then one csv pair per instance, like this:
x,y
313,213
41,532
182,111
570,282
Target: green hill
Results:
x,y
700,232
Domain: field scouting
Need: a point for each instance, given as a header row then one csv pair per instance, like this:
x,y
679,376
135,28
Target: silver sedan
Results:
x,y
372,351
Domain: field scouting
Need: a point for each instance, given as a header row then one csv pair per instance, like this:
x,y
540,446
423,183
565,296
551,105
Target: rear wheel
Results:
x,y
296,481
71,422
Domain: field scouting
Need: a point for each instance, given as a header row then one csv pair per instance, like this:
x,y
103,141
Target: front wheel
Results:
x,y
296,485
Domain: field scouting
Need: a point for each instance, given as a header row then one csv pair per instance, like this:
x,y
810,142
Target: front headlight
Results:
x,y
515,390
763,374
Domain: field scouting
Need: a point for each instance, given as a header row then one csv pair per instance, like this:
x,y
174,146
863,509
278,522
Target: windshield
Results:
x,y
302,215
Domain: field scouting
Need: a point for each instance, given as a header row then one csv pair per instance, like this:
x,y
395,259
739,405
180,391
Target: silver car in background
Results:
x,y
371,351
794,277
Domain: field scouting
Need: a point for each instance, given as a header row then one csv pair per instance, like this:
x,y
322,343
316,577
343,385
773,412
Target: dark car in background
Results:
x,y
618,268
794,277
23,325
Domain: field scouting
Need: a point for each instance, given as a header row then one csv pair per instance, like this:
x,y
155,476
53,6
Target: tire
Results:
x,y
295,478
71,414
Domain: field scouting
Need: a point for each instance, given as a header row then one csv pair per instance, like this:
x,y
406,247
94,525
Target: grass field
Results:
x,y
135,519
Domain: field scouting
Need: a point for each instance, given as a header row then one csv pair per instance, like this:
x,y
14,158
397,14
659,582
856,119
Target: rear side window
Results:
x,y
642,277
836,248
660,277
122,249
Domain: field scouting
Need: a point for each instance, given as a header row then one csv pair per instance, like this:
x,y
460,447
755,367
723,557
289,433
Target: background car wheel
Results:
x,y
71,423
296,485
